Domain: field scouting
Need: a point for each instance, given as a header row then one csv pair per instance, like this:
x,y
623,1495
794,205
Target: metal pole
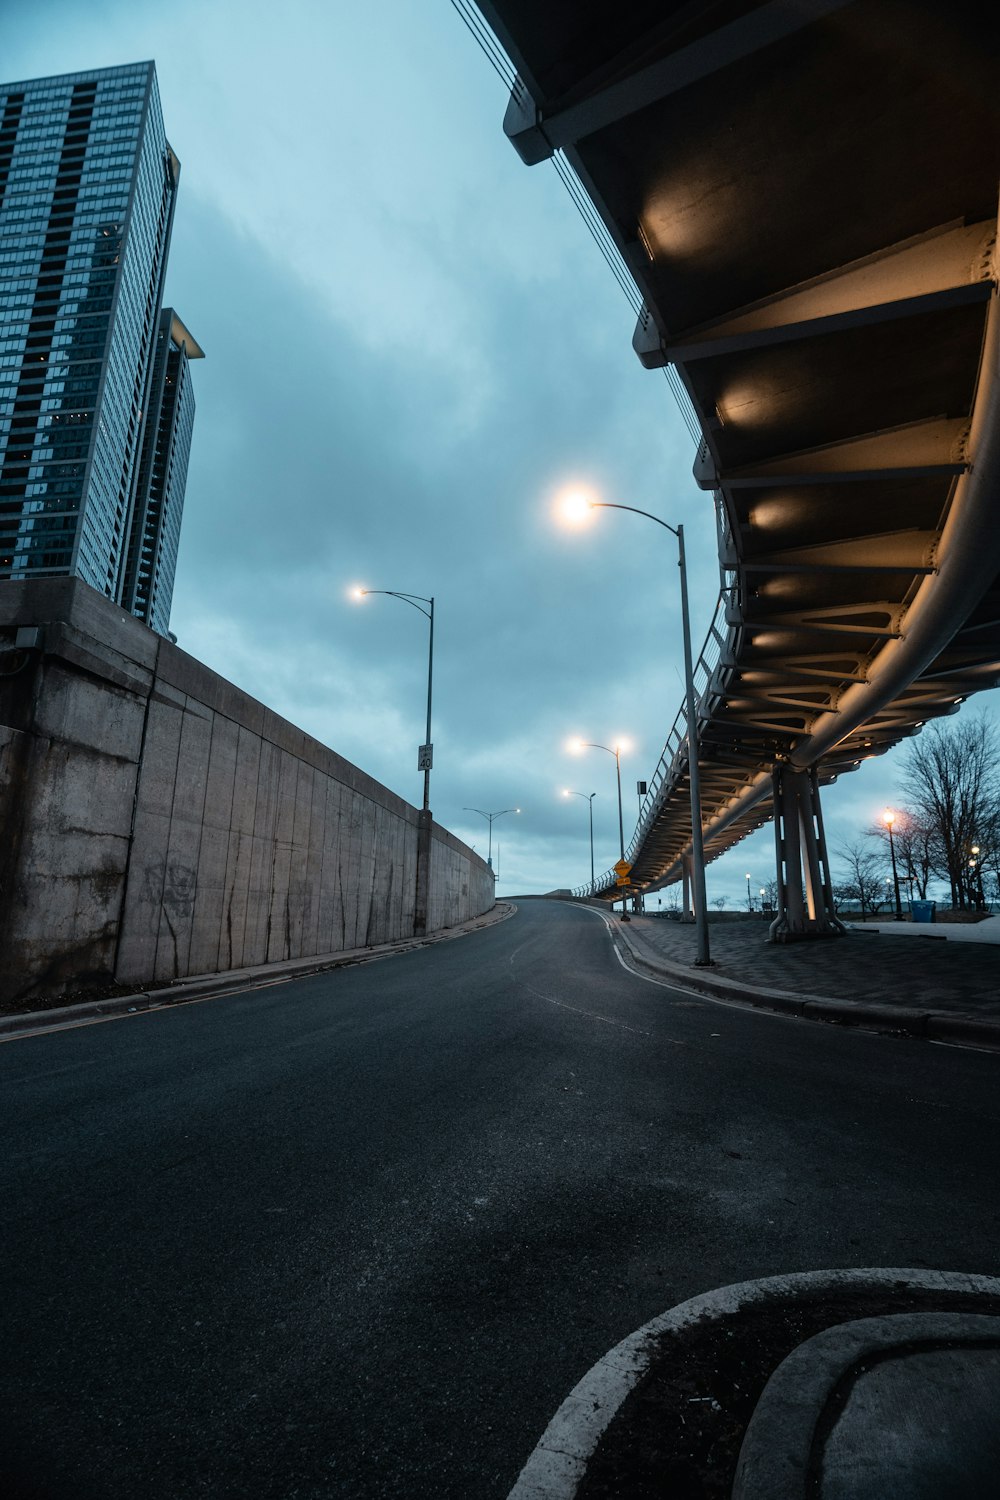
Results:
x,y
621,830
430,682
590,804
420,899
489,816
697,843
417,601
895,876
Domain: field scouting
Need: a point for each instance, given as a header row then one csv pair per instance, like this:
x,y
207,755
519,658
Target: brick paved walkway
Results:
x,y
863,966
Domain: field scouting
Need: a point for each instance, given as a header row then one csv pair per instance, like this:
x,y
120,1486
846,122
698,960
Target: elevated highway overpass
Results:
x,y
805,196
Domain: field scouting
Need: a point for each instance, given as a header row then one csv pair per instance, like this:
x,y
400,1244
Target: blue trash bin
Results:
x,y
922,911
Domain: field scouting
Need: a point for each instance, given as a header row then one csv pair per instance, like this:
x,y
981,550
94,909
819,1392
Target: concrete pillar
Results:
x,y
687,896
805,893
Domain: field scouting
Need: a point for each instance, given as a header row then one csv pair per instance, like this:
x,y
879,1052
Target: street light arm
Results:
x,y
428,614
610,505
694,777
489,816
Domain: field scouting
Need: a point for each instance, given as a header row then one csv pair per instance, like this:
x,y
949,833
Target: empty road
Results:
x,y
359,1234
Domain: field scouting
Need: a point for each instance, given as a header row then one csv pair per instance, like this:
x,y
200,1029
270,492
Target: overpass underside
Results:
x,y
805,196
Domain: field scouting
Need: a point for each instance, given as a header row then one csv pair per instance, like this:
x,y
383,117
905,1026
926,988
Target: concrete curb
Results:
x,y
778,1444
955,1027
203,986
559,1460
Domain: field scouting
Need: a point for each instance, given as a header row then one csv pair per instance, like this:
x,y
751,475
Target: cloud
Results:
x,y
411,342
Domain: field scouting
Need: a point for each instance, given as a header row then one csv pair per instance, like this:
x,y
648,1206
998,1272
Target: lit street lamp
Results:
x,y
588,797
425,758
576,746
976,866
749,897
888,818
489,816
575,508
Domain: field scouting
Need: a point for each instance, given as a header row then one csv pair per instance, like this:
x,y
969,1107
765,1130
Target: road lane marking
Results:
x,y
52,1072
593,1016
521,947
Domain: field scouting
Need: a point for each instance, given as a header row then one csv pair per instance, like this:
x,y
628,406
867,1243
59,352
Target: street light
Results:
x,y
588,797
425,757
576,745
749,897
489,816
425,760
575,507
888,818
976,866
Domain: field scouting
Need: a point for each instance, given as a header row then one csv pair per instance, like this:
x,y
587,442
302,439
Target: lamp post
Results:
x,y
576,505
616,752
425,757
425,760
976,866
588,797
489,816
888,818
749,897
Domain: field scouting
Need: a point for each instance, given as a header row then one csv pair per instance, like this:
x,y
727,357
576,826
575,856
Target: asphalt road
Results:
x,y
359,1234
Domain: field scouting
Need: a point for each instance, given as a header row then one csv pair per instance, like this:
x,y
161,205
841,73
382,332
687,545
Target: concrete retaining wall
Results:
x,y
158,822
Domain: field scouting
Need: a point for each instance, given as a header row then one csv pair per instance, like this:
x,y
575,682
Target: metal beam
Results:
x,y
763,625
537,131
916,450
968,564
909,551
950,267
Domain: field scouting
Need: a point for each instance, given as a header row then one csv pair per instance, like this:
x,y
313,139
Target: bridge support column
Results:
x,y
687,889
805,894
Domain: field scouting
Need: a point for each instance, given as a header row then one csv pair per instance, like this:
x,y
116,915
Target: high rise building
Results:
x,y
155,532
96,405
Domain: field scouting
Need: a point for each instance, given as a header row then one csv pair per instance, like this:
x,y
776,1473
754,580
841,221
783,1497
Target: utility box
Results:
x,y
922,911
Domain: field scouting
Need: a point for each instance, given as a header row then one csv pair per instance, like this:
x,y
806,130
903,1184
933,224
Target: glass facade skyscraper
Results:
x,y
95,395
155,532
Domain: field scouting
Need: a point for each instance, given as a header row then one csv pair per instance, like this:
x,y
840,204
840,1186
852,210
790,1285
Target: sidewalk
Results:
x,y
986,931
895,977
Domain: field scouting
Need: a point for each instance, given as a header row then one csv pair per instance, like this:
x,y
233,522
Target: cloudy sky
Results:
x,y
412,343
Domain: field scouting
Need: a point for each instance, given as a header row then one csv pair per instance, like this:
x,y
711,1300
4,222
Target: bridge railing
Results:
x,y
673,759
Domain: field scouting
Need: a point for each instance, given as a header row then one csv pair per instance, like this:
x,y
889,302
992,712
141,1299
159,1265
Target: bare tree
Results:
x,y
865,881
951,780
